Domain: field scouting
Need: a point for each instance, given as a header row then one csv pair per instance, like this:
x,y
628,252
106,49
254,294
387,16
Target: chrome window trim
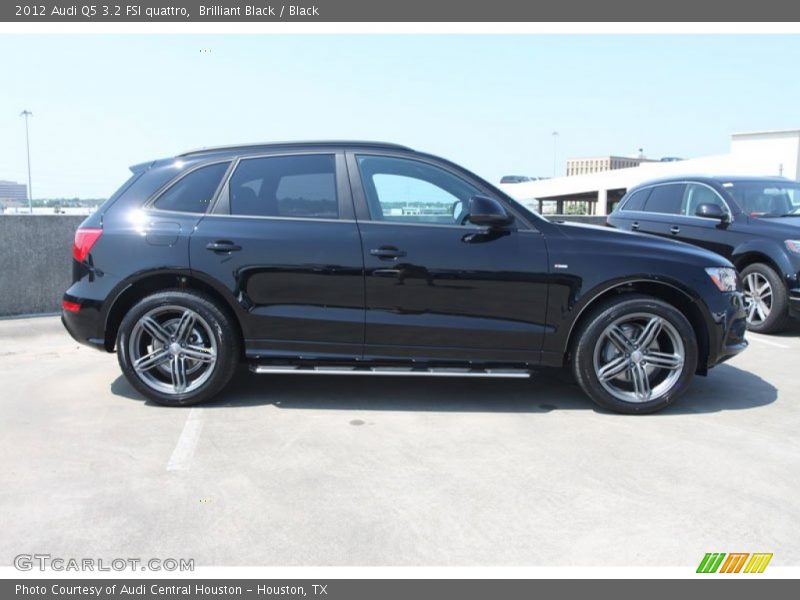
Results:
x,y
470,227
272,218
655,185
319,220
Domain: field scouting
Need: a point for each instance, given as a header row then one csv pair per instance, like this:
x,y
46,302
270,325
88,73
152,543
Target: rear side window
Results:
x,y
193,192
285,186
666,199
636,200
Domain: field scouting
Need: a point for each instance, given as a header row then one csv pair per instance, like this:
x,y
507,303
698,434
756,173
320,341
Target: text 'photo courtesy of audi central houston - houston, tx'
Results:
x,y
353,258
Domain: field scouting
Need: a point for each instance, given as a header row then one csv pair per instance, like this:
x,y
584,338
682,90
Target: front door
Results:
x,y
436,285
711,234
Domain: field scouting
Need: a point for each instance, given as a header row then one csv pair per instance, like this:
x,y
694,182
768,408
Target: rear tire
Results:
x,y
635,354
178,348
766,297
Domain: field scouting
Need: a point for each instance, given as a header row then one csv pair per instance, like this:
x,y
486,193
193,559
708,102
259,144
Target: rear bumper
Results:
x,y
728,328
84,325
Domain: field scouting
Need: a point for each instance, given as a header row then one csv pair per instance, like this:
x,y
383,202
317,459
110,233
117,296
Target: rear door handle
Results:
x,y
223,246
635,225
386,252
675,230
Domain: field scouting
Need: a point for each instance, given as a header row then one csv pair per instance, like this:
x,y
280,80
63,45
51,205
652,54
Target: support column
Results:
x,y
602,203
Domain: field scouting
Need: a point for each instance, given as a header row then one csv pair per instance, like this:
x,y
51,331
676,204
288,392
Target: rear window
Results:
x,y
636,200
666,199
193,192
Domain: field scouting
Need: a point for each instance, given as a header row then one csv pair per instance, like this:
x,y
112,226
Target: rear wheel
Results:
x,y
766,299
177,347
635,354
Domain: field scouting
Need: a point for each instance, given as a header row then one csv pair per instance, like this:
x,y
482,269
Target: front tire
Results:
x,y
177,347
635,354
766,299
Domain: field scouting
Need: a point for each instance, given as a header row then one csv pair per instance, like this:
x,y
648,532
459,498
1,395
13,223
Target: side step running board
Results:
x,y
393,371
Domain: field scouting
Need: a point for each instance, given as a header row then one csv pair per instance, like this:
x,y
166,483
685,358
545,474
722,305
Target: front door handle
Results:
x,y
675,230
223,246
387,252
635,225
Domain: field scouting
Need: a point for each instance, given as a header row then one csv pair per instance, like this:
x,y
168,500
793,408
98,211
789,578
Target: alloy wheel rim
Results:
x,y
173,350
639,357
758,298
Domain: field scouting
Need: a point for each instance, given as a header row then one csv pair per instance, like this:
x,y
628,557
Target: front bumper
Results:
x,y
728,328
794,302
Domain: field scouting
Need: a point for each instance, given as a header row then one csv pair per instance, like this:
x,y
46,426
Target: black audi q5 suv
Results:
x,y
351,258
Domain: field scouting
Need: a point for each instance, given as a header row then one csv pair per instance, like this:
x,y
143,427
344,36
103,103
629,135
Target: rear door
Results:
x,y
663,205
283,240
630,213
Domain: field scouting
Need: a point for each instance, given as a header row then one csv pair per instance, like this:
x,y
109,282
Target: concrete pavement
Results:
x,y
286,470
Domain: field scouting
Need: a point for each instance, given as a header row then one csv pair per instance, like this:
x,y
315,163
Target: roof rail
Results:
x,y
255,146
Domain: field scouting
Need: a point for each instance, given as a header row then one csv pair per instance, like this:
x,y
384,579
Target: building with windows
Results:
x,y
597,192
597,164
11,191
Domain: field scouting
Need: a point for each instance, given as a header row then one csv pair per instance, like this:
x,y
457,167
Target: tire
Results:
x,y
628,381
769,312
178,348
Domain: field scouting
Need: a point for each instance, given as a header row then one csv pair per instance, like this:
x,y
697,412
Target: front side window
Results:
x,y
665,199
302,186
696,195
410,191
194,192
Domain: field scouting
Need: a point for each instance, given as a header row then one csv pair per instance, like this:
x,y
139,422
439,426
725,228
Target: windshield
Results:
x,y
769,199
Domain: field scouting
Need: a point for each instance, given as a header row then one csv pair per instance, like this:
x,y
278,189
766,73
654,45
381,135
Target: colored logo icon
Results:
x,y
734,562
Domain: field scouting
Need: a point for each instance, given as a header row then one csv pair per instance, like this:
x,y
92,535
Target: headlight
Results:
x,y
723,277
793,246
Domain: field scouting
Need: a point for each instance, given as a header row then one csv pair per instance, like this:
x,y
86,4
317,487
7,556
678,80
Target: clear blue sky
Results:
x,y
491,102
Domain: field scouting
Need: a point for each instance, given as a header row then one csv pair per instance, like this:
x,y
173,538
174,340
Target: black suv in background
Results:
x,y
752,221
352,258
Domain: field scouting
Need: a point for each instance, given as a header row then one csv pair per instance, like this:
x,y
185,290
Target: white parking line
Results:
x,y
187,443
761,340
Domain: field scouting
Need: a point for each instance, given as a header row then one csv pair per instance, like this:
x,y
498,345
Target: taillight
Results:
x,y
84,240
70,306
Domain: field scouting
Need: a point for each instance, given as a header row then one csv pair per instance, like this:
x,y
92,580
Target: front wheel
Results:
x,y
635,354
177,347
766,299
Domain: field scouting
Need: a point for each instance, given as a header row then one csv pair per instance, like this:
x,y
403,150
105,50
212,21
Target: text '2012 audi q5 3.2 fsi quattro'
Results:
x,y
353,258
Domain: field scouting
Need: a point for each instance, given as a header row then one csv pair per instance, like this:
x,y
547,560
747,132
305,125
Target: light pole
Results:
x,y
26,113
555,147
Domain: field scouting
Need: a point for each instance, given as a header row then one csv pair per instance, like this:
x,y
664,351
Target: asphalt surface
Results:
x,y
285,470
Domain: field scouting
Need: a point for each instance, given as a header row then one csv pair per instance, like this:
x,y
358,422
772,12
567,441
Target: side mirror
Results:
x,y
712,211
484,210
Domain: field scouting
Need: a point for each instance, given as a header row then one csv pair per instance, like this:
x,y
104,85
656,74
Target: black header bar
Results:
x,y
183,11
